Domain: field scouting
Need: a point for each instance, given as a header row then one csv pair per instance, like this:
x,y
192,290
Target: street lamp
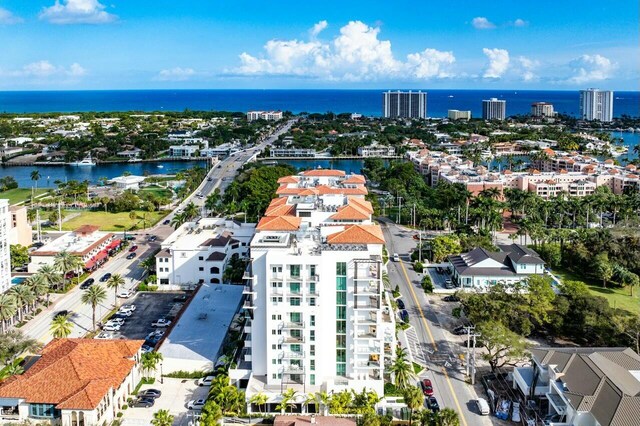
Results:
x,y
161,379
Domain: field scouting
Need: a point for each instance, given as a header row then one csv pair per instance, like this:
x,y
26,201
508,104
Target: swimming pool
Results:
x,y
18,280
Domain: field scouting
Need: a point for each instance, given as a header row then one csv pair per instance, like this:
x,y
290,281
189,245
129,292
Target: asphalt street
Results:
x,y
444,365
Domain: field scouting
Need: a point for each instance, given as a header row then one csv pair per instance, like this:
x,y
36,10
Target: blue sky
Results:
x,y
139,44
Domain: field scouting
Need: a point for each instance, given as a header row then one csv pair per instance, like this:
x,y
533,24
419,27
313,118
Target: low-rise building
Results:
x,y
183,150
582,386
74,382
199,252
375,150
481,268
86,242
264,115
454,114
292,152
127,182
20,231
130,153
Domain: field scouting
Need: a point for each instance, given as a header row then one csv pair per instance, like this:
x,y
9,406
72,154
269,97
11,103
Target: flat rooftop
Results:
x,y
194,235
71,242
199,333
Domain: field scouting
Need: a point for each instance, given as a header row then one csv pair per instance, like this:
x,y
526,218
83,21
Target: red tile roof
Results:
x,y
281,210
279,223
86,229
306,420
288,179
357,234
74,373
355,179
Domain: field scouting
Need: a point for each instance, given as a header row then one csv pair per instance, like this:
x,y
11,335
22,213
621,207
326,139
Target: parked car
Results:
x,y
432,404
143,402
111,327
205,381
122,314
427,387
119,321
128,307
196,404
451,298
130,237
88,283
515,414
396,258
483,406
166,222
105,277
400,303
404,315
104,335
125,294
460,330
149,393
146,348
180,298
161,323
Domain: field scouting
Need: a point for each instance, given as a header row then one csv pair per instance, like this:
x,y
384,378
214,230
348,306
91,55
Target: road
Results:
x,y
221,176
444,368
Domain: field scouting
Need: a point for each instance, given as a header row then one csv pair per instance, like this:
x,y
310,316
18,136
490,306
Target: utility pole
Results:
x,y
473,358
469,330
414,214
420,245
399,208
59,218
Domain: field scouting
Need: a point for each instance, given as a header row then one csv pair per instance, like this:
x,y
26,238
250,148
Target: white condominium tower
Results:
x,y
5,256
404,104
542,109
320,315
596,104
494,109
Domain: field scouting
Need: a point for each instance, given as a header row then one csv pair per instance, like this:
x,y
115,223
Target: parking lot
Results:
x,y
150,306
175,395
439,279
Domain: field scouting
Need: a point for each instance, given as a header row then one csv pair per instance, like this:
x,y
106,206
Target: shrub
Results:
x,y
427,285
418,267
396,291
181,374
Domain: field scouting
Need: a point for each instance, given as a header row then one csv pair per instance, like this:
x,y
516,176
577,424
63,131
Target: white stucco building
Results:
x,y
320,316
5,254
199,252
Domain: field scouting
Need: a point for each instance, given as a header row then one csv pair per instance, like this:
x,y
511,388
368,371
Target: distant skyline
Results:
x,y
217,44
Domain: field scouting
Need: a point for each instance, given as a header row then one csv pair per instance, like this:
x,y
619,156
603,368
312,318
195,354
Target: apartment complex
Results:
x,y
494,109
542,110
5,254
375,150
199,252
454,114
561,173
404,104
264,115
20,231
582,386
596,104
321,319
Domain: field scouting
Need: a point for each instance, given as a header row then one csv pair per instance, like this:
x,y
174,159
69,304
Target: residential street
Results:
x,y
445,369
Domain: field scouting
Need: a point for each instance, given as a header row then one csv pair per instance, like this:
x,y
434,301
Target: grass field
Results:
x,y
18,195
618,297
109,221
157,191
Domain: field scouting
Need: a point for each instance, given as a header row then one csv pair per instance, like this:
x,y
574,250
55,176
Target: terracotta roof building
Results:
x,y
76,381
315,286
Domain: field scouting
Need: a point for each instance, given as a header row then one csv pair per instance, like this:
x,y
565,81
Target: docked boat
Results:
x,y
160,166
86,161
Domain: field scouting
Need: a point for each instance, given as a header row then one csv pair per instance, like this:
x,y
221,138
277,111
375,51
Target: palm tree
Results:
x,y
212,201
114,282
35,177
178,219
448,417
94,296
50,277
8,309
150,361
287,400
61,327
66,262
37,285
162,418
23,297
191,211
149,264
211,414
401,369
414,399
323,399
259,399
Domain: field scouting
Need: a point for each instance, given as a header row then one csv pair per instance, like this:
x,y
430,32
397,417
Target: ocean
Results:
x,y
366,102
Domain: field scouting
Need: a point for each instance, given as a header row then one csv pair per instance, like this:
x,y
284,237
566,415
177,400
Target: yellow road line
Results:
x,y
433,342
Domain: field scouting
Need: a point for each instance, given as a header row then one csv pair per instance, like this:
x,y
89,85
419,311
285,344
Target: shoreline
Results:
x,y
98,163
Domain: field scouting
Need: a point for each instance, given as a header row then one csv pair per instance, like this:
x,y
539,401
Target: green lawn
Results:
x,y
18,195
109,221
618,297
157,191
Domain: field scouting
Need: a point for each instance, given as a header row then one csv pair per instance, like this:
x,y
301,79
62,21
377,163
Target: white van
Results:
x,y
483,406
396,258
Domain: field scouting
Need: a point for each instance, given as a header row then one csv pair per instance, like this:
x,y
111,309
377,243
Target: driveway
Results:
x,y
175,395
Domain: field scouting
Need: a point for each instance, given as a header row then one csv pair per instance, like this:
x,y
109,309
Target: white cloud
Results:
x,y
77,12
589,68
482,23
8,18
498,62
356,54
318,28
527,68
42,70
175,74
520,23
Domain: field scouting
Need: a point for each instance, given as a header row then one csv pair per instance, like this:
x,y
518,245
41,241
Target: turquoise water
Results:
x,y
631,140
18,280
